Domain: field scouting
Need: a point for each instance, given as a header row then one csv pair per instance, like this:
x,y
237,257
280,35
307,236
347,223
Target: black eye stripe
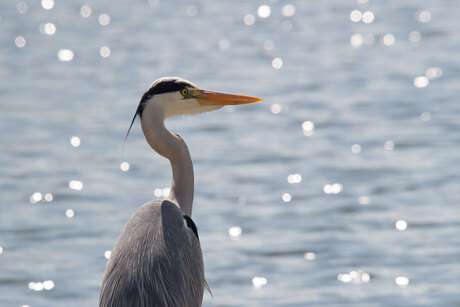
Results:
x,y
191,225
167,85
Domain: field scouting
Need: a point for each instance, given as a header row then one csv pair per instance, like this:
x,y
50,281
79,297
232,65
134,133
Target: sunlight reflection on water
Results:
x,y
339,187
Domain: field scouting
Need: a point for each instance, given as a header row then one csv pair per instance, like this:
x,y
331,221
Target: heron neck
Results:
x,y
172,147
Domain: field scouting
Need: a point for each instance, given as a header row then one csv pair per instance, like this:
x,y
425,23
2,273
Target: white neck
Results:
x,y
172,147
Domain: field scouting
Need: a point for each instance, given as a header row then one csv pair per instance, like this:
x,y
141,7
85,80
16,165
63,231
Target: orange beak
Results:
x,y
210,98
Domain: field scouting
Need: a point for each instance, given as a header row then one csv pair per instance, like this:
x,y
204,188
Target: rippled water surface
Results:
x,y
341,187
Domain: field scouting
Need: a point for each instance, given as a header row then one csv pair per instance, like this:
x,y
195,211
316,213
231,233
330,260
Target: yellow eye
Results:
x,y
184,92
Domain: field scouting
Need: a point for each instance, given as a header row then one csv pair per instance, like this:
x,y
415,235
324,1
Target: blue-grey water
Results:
x,y
341,188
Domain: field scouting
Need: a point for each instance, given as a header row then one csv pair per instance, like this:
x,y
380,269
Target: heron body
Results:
x,y
157,260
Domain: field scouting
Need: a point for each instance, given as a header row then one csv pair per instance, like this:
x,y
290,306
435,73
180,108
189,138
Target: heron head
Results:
x,y
176,96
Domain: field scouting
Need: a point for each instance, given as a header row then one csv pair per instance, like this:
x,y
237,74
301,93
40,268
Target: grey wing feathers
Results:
x,y
157,261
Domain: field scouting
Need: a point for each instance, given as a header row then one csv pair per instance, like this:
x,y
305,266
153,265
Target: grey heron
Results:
x,y
157,260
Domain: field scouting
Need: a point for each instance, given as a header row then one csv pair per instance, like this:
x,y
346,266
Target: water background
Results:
x,y
363,115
